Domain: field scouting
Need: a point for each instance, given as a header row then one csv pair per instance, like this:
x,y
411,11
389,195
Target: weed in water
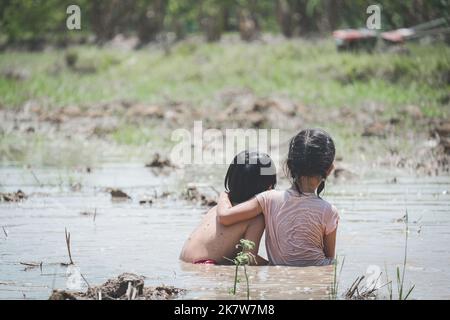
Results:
x,y
335,284
243,258
401,273
71,263
359,291
68,247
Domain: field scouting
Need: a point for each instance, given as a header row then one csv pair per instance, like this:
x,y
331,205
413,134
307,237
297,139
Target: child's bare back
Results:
x,y
213,242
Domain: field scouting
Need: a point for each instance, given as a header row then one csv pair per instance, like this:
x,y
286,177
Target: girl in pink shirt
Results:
x,y
300,226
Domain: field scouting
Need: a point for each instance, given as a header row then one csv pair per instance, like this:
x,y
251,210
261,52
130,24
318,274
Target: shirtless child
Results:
x,y
211,241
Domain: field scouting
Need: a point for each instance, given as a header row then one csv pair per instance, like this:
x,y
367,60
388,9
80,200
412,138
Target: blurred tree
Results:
x,y
182,17
211,18
37,21
409,13
151,19
285,17
108,18
32,20
249,26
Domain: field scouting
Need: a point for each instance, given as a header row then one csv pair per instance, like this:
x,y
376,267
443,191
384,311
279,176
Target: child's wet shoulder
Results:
x,y
272,194
328,208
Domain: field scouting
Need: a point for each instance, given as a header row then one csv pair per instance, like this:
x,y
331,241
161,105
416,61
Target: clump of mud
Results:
x,y
443,132
194,194
247,110
13,196
159,162
117,194
203,195
342,173
142,110
127,286
15,74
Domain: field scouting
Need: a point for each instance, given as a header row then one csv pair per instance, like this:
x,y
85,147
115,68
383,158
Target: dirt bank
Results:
x,y
425,148
126,286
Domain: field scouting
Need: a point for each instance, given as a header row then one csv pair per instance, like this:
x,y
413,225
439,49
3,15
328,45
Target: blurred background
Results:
x,y
137,69
37,22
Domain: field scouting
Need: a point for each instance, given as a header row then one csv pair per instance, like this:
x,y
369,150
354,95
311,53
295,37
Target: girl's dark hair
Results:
x,y
246,176
311,154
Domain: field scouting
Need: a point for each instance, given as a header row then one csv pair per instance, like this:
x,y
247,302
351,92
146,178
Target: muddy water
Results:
x,y
128,237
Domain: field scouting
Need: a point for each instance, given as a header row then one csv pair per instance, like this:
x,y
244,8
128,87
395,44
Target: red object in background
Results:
x,y
349,35
352,39
397,36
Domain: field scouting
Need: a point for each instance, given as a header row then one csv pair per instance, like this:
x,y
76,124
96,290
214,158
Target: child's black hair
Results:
x,y
246,177
311,154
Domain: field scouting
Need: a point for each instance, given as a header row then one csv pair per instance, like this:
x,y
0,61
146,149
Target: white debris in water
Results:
x,y
74,278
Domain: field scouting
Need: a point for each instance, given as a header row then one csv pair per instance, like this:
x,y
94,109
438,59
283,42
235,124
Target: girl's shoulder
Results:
x,y
325,205
271,195
330,217
329,211
271,199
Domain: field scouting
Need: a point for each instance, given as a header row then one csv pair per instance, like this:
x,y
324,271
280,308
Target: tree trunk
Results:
x,y
212,28
284,17
103,19
151,21
211,21
248,25
333,9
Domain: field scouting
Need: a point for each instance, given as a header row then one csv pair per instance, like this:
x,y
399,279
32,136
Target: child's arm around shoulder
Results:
x,y
228,215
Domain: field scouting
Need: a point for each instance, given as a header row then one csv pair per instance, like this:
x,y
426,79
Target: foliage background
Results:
x,y
37,20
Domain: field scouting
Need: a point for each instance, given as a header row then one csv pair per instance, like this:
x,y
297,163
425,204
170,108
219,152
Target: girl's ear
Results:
x,y
330,169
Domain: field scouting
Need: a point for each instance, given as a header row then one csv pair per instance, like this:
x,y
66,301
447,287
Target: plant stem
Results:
x,y
235,279
389,283
68,245
248,285
405,256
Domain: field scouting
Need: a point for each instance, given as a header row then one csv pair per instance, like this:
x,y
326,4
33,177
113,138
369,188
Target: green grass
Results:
x,y
138,135
313,73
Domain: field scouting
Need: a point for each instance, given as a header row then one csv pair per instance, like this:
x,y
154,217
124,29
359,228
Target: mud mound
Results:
x,y
443,132
13,196
117,194
247,110
194,194
15,74
127,286
159,161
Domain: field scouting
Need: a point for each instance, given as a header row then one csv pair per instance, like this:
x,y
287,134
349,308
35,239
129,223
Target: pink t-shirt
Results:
x,y
295,227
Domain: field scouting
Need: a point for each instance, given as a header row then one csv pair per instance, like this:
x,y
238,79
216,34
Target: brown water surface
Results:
x,y
128,237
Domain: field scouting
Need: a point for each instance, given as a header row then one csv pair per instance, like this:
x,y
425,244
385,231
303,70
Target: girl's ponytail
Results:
x,y
321,187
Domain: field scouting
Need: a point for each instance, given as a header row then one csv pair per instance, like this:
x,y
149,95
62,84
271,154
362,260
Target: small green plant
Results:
x,y
388,283
242,259
335,284
401,273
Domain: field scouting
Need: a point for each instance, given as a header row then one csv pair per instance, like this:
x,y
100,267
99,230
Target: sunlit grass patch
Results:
x,y
313,72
